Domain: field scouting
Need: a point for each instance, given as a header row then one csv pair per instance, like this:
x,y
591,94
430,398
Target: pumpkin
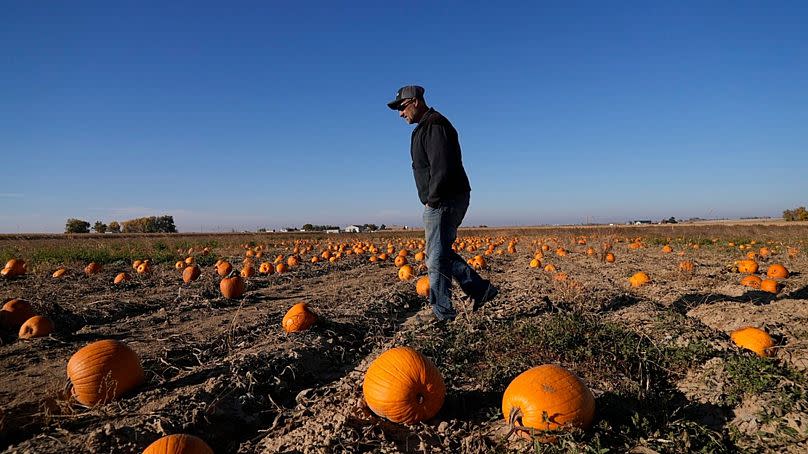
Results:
x,y
190,273
545,247
103,371
535,263
747,266
14,268
590,251
609,257
404,386
770,285
639,278
315,259
400,261
686,266
232,287
777,271
282,268
179,444
754,339
422,286
292,261
547,397
561,252
420,256
136,264
667,249
405,273
121,277
180,265
224,268
478,262
36,326
248,271
189,260
59,272
751,281
15,313
550,268
298,318
92,268
266,268
383,256
765,252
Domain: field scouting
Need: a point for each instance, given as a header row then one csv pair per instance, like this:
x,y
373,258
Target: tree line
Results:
x,y
797,214
150,224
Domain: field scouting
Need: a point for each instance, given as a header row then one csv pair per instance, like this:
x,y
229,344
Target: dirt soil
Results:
x,y
225,370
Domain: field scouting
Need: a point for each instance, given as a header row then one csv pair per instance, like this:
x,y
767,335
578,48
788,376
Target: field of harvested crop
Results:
x,y
658,357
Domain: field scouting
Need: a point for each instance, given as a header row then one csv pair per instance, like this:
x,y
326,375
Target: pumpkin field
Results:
x,y
670,339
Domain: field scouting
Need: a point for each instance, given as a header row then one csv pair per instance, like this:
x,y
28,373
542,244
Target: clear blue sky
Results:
x,y
265,114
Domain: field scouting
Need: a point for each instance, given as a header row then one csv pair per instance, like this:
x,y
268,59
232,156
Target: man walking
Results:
x,y
443,188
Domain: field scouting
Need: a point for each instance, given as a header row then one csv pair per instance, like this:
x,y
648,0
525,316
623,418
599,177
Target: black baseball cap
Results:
x,y
406,92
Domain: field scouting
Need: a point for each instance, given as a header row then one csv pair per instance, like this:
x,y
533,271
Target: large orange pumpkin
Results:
x,y
13,268
770,285
400,260
747,266
777,271
639,278
751,281
405,273
15,313
404,386
232,287
36,326
92,268
224,268
103,371
754,339
191,273
548,397
298,318
422,286
179,444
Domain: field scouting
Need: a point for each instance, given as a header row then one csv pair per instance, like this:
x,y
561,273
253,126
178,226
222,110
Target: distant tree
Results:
x,y
797,214
152,224
74,225
382,227
262,230
114,227
307,227
100,227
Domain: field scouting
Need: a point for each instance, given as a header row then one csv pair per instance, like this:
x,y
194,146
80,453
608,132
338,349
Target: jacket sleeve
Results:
x,y
437,151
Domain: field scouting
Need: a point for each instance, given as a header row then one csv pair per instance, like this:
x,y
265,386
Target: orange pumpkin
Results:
x,y
15,313
609,257
292,261
751,281
180,265
777,271
765,251
535,263
298,318
561,252
136,264
420,256
179,444
550,268
266,268
121,277
667,249
92,268
248,271
754,339
639,278
548,397
282,268
400,261
59,272
103,371
747,266
404,386
422,286
14,268
405,273
36,326
232,287
224,268
770,285
478,262
191,273
686,266
189,260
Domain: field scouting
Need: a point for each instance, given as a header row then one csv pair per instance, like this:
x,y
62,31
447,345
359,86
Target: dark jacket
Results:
x,y
436,161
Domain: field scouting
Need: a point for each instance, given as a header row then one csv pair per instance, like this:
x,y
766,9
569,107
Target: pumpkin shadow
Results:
x,y
799,294
470,404
619,302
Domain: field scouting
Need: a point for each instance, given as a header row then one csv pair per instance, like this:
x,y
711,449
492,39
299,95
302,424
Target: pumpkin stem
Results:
x,y
515,417
420,398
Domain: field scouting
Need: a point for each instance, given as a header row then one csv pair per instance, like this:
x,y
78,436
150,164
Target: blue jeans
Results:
x,y
440,229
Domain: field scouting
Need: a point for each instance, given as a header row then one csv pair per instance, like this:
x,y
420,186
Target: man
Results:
x,y
443,188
